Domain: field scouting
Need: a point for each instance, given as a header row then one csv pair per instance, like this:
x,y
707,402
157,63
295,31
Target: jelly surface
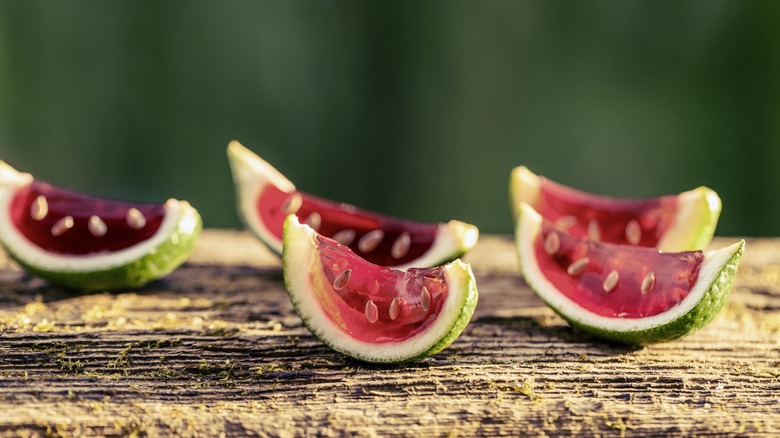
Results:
x,y
645,283
372,303
396,243
45,224
610,217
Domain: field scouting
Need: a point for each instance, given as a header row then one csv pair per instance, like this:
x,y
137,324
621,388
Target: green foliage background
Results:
x,y
412,108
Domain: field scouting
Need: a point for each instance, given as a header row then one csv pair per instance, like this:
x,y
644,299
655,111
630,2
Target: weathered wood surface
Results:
x,y
215,349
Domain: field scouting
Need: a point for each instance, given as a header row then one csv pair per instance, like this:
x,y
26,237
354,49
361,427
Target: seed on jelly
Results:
x,y
371,240
578,267
552,243
565,222
401,245
395,308
633,232
372,312
135,219
292,204
39,208
611,281
594,233
341,280
96,226
61,226
425,299
314,220
344,237
648,283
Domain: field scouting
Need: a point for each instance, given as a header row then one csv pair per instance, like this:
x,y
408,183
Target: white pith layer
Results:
x,y
301,262
528,228
33,255
253,175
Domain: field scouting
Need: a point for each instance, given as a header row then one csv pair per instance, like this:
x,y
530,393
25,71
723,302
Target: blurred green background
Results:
x,y
416,109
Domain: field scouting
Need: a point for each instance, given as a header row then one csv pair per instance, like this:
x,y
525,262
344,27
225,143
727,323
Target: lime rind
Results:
x,y
524,186
156,263
453,240
11,178
300,259
694,224
466,312
134,266
252,174
704,301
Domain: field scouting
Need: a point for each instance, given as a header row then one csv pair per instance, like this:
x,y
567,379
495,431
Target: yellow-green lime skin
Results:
x,y
155,264
467,306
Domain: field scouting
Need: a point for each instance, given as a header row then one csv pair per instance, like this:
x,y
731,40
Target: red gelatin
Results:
x,y
58,220
380,240
644,282
606,219
375,304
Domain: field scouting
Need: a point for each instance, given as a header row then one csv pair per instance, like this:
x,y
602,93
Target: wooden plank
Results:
x,y
216,350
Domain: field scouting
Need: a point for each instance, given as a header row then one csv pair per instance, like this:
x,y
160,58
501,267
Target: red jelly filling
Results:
x,y
71,223
380,240
635,222
372,303
615,280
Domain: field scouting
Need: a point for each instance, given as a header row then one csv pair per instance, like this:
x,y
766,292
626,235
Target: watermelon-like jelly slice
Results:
x,y
86,242
371,312
375,304
670,223
266,197
627,293
614,280
67,222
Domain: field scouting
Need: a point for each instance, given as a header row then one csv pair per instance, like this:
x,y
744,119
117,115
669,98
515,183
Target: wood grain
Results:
x,y
216,350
